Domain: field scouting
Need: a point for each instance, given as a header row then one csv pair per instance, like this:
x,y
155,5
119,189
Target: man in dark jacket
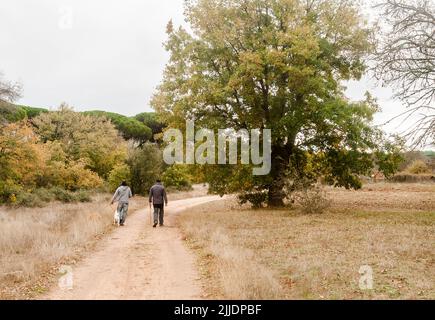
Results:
x,y
158,198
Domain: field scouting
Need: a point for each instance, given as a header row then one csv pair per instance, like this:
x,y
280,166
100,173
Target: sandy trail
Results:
x,y
138,262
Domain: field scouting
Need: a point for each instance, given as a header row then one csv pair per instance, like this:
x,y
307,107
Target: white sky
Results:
x,y
109,56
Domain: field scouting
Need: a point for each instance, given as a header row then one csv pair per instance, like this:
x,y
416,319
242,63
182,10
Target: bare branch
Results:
x,y
405,60
9,91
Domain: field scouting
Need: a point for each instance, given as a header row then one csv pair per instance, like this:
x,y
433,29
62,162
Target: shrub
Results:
x,y
28,163
257,199
72,176
63,195
44,195
410,157
39,197
9,191
145,165
413,178
27,199
88,140
312,200
83,196
177,177
120,172
22,158
418,167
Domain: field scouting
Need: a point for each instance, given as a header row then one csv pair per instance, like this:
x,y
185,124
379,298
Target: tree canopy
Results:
x,y
130,128
276,64
94,140
151,121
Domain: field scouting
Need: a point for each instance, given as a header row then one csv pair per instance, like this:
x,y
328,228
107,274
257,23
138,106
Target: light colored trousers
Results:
x,y
122,209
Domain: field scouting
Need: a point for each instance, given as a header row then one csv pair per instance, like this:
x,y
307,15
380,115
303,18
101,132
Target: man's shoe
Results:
x,y
154,225
121,224
161,225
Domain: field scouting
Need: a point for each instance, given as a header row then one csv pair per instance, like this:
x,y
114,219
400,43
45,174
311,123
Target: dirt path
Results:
x,y
138,262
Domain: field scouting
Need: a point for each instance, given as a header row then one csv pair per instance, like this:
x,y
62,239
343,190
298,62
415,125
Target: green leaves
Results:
x,y
92,140
275,64
130,128
150,120
13,113
145,164
10,113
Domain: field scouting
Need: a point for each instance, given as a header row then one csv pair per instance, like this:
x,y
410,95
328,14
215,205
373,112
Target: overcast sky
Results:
x,y
103,54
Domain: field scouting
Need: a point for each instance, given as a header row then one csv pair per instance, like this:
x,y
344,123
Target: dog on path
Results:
x,y
117,218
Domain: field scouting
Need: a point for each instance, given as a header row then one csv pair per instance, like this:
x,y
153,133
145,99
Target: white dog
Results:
x,y
117,218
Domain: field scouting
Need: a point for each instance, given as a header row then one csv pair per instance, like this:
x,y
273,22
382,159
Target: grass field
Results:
x,y
284,254
34,242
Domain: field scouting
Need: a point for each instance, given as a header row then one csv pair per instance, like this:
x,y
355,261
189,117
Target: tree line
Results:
x,y
65,155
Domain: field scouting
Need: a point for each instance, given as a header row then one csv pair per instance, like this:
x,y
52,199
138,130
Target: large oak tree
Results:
x,y
276,64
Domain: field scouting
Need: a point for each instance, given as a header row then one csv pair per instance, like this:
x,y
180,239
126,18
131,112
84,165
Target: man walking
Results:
x,y
122,195
157,198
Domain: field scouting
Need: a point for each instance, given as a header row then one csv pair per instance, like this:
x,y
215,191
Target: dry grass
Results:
x,y
33,241
239,279
289,255
385,197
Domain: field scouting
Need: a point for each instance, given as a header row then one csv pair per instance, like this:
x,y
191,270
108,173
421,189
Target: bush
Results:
x,y
45,195
312,200
89,143
9,191
413,178
63,195
69,196
410,157
176,176
257,199
120,172
39,197
145,165
72,176
418,167
27,199
83,196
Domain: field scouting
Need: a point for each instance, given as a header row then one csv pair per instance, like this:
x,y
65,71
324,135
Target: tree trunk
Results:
x,y
280,160
276,194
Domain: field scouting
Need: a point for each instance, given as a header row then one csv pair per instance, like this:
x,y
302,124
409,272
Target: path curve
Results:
x,y
138,262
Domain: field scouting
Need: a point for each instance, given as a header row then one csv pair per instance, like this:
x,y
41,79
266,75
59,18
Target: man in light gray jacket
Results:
x,y
122,195
157,198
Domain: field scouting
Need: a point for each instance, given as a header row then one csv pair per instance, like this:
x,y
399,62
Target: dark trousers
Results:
x,y
159,212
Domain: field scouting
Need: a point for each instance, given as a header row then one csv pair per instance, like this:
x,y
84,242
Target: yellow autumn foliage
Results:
x,y
26,163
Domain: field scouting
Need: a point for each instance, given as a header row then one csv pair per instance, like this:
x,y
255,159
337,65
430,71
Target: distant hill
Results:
x,y
12,113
